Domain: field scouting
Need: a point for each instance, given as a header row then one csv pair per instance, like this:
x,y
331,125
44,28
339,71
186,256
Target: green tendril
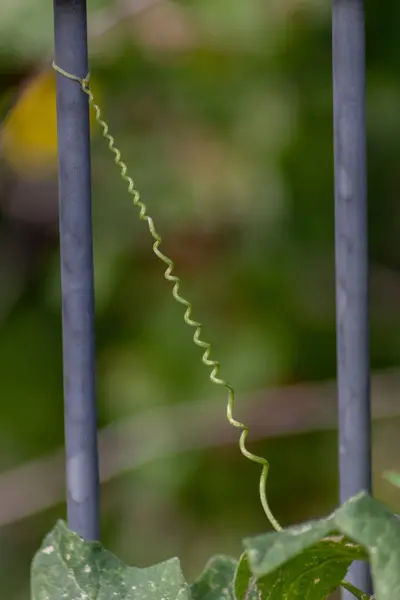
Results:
x,y
168,274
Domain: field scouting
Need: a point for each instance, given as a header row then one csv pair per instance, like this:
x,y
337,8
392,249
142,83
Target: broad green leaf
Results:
x,y
311,560
308,561
68,568
302,562
314,574
270,551
215,583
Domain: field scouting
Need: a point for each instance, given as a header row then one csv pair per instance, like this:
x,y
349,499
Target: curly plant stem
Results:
x,y
206,346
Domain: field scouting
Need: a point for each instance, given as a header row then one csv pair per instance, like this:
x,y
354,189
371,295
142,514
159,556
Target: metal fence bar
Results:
x,y
71,54
351,243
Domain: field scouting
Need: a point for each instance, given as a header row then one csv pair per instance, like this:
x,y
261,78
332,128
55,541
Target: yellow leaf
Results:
x,y
29,132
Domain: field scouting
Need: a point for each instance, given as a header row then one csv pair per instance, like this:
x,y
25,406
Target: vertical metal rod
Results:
x,y
351,241
71,54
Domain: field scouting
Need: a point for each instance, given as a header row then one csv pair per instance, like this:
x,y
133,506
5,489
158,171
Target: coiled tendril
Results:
x,y
168,274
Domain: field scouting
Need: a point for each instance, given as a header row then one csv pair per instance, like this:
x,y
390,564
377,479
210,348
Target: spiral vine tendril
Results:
x,y
169,276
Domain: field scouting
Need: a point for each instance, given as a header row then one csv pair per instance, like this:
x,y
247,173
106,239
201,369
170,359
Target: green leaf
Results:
x,y
268,552
371,524
245,583
311,560
67,568
308,561
215,583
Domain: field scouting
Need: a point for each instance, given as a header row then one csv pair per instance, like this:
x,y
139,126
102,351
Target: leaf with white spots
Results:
x,y
307,562
68,568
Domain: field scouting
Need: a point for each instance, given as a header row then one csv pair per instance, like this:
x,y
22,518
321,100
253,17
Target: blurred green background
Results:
x,y
223,111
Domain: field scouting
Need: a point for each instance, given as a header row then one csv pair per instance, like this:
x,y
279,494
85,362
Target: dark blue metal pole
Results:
x,y
351,237
71,54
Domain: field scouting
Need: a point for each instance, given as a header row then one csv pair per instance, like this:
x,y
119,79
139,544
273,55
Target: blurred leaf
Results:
x,y
29,133
245,583
26,27
369,523
215,583
235,22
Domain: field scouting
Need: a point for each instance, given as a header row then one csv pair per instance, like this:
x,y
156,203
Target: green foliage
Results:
x,y
245,584
308,561
66,568
301,562
230,138
216,581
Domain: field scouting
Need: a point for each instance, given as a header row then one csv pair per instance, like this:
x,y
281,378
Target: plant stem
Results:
x,y
355,591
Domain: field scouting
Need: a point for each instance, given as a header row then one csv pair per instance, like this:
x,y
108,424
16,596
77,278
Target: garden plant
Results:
x,y
309,561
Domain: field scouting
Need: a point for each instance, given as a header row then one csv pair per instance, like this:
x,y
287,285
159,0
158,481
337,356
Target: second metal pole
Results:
x,y
71,54
351,241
